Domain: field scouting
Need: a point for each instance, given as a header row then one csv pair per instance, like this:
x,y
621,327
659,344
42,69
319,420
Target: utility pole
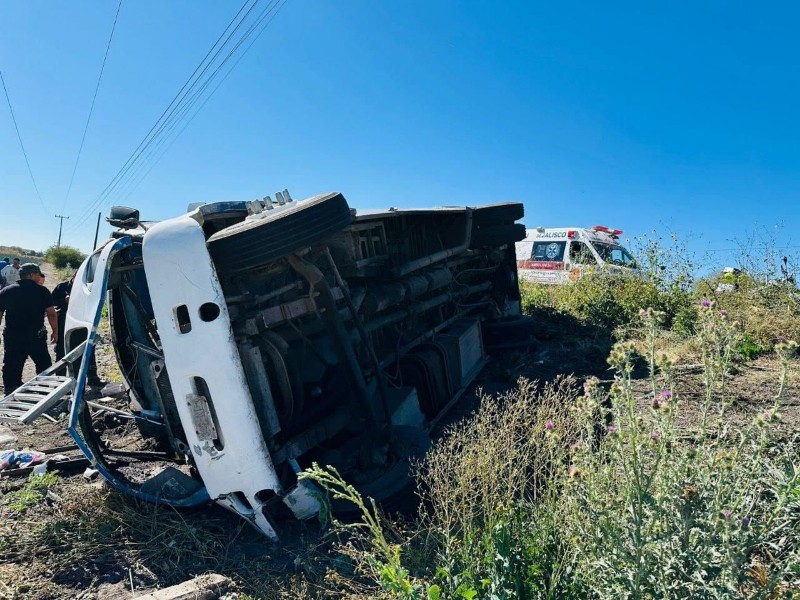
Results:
x,y
96,231
60,225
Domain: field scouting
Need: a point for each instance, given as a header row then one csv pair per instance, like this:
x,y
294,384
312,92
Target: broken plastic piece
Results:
x,y
114,390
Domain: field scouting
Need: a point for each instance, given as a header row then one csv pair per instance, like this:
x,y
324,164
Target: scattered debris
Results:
x,y
204,587
90,473
115,390
20,458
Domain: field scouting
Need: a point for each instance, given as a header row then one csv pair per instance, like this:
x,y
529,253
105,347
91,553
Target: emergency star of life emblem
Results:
x,y
551,251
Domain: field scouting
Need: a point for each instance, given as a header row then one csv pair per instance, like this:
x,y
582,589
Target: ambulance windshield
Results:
x,y
616,255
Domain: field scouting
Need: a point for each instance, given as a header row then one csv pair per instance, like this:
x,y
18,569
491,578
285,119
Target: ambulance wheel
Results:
x,y
498,214
251,244
497,235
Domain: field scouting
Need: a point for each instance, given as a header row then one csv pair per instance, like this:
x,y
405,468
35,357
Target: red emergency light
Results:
x,y
608,230
571,234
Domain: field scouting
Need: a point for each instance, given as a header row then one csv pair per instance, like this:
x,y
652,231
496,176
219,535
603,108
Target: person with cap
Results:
x,y
10,274
24,305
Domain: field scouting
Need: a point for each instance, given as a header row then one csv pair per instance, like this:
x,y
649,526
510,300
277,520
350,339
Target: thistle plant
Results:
x,y
661,511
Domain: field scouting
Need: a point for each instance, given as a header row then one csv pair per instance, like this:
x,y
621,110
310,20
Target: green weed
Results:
x,y
32,493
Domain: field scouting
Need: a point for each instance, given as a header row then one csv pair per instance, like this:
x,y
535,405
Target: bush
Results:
x,y
607,300
766,312
64,257
685,323
748,348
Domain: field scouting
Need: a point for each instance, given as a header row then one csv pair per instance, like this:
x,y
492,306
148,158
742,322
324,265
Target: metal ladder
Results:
x,y
40,394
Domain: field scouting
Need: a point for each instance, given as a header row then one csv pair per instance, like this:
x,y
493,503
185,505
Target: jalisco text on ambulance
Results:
x,y
561,254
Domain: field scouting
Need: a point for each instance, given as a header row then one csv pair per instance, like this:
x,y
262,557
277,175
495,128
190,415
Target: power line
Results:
x,y
172,106
746,247
91,108
180,109
196,98
21,145
189,95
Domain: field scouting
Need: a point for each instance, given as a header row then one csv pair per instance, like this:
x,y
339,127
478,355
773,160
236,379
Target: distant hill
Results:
x,y
24,254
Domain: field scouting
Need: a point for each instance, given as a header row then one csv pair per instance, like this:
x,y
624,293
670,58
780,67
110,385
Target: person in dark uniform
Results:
x,y
61,301
24,305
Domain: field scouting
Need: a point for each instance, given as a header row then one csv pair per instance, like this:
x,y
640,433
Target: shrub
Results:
x,y
607,300
748,348
766,312
685,323
666,261
64,257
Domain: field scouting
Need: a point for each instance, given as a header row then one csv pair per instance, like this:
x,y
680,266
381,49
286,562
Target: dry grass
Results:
x,y
85,535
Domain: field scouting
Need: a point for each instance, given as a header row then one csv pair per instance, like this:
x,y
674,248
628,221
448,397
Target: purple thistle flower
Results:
x,y
666,394
723,313
727,513
745,522
656,435
549,425
656,403
781,339
706,303
612,429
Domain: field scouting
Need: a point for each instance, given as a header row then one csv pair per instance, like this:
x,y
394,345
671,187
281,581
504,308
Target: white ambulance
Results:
x,y
562,254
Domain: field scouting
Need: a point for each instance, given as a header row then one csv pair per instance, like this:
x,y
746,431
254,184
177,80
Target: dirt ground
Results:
x,y
87,541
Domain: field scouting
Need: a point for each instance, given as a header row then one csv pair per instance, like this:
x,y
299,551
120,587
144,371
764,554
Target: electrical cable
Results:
x,y
177,115
195,99
91,108
169,112
179,105
21,145
147,138
135,183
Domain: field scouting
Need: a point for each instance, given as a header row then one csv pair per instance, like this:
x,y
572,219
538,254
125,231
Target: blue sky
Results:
x,y
675,116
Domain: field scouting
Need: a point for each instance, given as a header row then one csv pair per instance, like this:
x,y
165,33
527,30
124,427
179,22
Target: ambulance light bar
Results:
x,y
608,230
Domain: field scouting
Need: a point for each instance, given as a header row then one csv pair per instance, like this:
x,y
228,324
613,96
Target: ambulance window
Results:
x,y
549,251
524,250
616,255
581,254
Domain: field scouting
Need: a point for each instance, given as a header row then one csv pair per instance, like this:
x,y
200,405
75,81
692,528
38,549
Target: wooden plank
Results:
x,y
204,587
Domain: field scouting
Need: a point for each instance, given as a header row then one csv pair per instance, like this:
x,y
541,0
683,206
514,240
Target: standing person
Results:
x,y
25,304
3,264
10,273
61,301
